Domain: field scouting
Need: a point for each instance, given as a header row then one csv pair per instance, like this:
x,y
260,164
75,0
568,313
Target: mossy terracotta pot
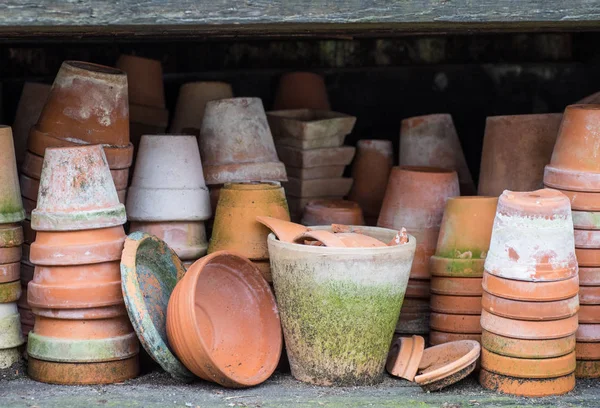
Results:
x,y
404,357
77,192
371,170
32,100
587,369
526,387
528,349
431,141
222,322
144,79
187,239
235,227
415,199
530,291
438,337
88,104
11,207
526,329
301,90
11,235
532,237
325,212
469,305
11,335
10,291
515,150
526,367
236,143
325,293
414,316
455,323
514,309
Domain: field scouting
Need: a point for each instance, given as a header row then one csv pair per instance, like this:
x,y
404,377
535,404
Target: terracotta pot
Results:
x,y
11,235
371,170
33,98
456,286
330,156
438,337
589,295
588,333
315,172
10,255
107,312
11,209
455,323
447,364
431,141
514,309
325,212
318,188
589,277
78,192
10,292
236,144
586,220
528,330
530,291
414,316
456,268
527,349
515,150
527,387
77,247
342,301
586,238
573,165
235,227
10,272
418,289
528,368
145,80
587,351
588,257
587,369
589,314
192,100
187,239
404,357
205,335
88,103
581,201
468,305
532,238
285,231
301,90
11,328
167,183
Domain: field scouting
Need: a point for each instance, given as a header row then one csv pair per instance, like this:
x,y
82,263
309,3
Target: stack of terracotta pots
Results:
x,y
415,199
370,171
87,105
301,90
457,269
147,112
82,334
530,301
168,197
11,238
431,140
236,228
575,169
309,142
327,212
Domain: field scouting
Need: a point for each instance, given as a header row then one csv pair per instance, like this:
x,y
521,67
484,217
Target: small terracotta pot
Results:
x,y
206,336
10,272
431,140
589,295
235,227
371,170
107,312
438,337
11,209
530,291
404,357
33,98
285,231
88,104
514,309
326,212
468,305
515,150
301,90
589,314
78,192
587,369
337,187
526,387
456,286
588,333
528,368
588,351
455,323
414,316
588,257
187,239
589,277
191,103
236,144
528,330
145,80
11,235
532,238
586,220
528,349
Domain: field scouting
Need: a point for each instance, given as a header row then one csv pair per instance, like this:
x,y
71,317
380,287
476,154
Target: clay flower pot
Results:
x,y
88,104
589,295
168,184
456,286
586,238
526,387
301,90
339,240
515,150
11,335
186,239
191,103
11,235
431,141
33,98
583,201
342,300
587,351
532,237
10,272
415,199
11,207
10,292
326,212
235,227
145,80
208,330
527,349
528,330
404,357
528,368
530,291
371,170
514,309
573,165
455,323
77,192
588,333
469,305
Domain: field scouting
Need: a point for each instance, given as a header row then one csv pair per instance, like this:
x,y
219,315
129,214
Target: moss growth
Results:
x,y
11,211
455,253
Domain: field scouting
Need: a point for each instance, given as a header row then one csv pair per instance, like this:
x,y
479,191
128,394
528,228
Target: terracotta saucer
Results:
x,y
586,220
589,295
589,314
587,369
456,286
528,330
404,357
10,292
452,323
522,310
583,201
526,387
528,368
11,235
285,231
531,349
586,238
530,291
588,257
418,289
456,268
83,373
588,333
469,305
589,277
588,351
10,272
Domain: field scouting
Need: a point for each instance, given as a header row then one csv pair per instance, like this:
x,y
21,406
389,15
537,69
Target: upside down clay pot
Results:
x,y
455,323
456,286
528,349
11,207
528,368
514,309
301,90
528,330
145,80
107,372
404,357
530,291
187,239
222,322
469,305
11,335
325,212
526,387
323,294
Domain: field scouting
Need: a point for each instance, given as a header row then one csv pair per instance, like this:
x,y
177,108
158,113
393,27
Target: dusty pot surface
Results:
x,y
301,90
404,357
150,270
514,309
530,291
77,191
583,201
589,295
526,387
589,314
526,367
168,184
530,349
371,170
587,220
145,80
532,237
588,333
187,239
330,156
528,330
223,323
431,141
11,207
325,212
515,150
325,293
586,238
236,228
236,143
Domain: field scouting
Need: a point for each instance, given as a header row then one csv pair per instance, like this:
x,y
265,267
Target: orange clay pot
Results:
x,y
529,349
455,323
589,295
530,291
438,337
10,255
583,201
526,387
404,357
301,90
588,351
456,286
589,277
10,272
326,212
11,235
76,287
589,314
514,309
145,80
238,349
588,333
340,240
285,231
235,227
371,170
468,305
107,312
528,368
83,373
586,238
418,289
528,330
588,257
78,247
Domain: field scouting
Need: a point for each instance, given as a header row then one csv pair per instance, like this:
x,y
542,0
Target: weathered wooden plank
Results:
x,y
157,18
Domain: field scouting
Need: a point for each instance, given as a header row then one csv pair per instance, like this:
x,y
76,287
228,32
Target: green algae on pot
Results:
x,y
339,306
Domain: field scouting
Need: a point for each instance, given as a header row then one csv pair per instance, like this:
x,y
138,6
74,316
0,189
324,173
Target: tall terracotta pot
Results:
x,y
301,90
